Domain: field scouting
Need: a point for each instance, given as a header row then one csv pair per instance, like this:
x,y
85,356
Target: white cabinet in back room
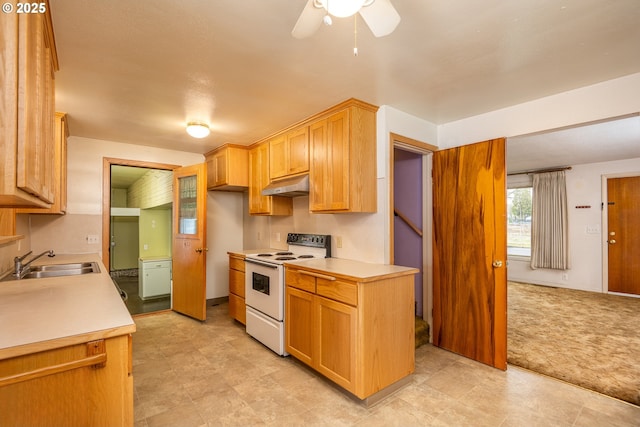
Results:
x,y
154,277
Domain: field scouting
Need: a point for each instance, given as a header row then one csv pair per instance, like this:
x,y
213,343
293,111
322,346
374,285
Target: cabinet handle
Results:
x,y
316,275
97,360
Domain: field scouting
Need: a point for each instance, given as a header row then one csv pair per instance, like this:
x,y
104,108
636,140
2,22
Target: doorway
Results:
x,y
137,231
411,215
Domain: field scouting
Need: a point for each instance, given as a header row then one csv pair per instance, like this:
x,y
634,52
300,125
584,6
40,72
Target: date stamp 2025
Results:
x,y
24,7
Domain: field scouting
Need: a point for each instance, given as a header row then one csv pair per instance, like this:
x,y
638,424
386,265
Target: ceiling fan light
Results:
x,y
197,129
343,8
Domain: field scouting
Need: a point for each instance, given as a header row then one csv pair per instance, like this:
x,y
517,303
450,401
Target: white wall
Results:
x,y
224,233
612,98
587,233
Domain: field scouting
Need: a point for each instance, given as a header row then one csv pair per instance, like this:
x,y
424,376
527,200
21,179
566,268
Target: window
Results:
x,y
519,221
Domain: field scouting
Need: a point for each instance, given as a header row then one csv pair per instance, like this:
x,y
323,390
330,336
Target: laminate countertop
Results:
x,y
47,313
353,270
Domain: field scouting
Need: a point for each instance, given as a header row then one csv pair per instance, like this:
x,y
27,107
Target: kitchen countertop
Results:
x,y
353,270
47,313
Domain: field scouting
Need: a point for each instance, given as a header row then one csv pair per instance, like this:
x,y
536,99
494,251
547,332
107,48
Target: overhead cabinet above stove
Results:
x,y
336,147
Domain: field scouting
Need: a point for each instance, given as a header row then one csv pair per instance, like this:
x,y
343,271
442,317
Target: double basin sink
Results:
x,y
58,270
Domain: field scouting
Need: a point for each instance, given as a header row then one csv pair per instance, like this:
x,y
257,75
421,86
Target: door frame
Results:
x,y
107,162
605,230
426,150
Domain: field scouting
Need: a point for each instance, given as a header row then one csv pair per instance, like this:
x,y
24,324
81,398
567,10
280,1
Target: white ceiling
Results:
x,y
137,71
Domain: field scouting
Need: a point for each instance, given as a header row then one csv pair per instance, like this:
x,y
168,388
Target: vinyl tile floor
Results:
x,y
191,373
137,305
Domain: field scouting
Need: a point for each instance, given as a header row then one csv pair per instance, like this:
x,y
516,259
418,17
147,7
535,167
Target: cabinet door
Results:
x,y
298,149
61,387
278,165
35,109
299,333
258,179
219,172
336,330
60,170
237,309
330,164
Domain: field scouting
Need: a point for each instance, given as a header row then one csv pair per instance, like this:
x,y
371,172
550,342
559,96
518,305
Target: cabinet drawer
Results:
x,y
339,291
295,279
236,282
236,263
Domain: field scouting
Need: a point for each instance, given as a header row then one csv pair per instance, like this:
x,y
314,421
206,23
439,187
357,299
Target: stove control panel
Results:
x,y
312,240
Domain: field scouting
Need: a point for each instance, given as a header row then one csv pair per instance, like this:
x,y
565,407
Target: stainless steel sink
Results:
x,y
58,270
69,266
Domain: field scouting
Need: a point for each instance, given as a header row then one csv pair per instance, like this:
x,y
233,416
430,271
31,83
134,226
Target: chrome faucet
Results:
x,y
21,269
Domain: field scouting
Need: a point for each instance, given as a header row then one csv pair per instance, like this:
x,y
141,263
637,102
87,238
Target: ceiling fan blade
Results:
x,y
381,17
308,22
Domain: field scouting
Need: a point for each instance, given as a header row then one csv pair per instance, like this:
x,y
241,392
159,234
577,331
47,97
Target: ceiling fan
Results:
x,y
379,15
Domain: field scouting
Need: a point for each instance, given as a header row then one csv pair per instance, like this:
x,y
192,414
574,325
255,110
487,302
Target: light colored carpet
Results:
x,y
585,338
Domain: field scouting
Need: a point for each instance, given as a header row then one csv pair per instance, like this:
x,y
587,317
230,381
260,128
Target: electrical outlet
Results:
x,y
277,237
565,276
92,239
338,241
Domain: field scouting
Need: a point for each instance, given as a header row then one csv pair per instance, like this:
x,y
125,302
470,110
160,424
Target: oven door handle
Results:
x,y
263,264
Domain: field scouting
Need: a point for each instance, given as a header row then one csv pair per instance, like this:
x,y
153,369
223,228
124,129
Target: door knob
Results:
x,y
612,242
497,263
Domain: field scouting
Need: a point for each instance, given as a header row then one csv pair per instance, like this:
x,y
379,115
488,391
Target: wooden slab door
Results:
x,y
623,241
469,252
189,241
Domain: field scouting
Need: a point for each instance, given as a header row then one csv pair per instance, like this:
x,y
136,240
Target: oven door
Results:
x,y
264,288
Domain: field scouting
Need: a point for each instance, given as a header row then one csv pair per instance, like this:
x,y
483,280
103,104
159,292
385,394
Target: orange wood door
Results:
x,y
623,214
469,251
189,240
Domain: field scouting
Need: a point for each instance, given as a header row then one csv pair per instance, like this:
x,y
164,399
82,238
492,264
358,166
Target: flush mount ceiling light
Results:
x,y
379,15
197,129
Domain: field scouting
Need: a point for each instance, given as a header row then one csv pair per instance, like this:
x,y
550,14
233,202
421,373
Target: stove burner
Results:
x,y
305,256
264,255
284,253
285,258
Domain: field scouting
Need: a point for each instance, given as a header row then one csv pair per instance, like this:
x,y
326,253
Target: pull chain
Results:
x,y
355,35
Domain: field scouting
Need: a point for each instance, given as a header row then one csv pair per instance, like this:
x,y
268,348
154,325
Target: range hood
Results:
x,y
288,187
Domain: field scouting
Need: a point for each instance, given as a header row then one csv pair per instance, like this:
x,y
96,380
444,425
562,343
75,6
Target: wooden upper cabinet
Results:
x,y
27,143
289,153
343,161
59,205
228,168
258,179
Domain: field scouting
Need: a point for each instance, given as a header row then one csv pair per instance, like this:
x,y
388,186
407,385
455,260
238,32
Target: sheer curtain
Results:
x,y
549,236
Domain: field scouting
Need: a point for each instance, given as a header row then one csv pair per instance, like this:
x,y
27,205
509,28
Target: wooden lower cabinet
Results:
x,y
237,307
360,335
89,384
337,336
